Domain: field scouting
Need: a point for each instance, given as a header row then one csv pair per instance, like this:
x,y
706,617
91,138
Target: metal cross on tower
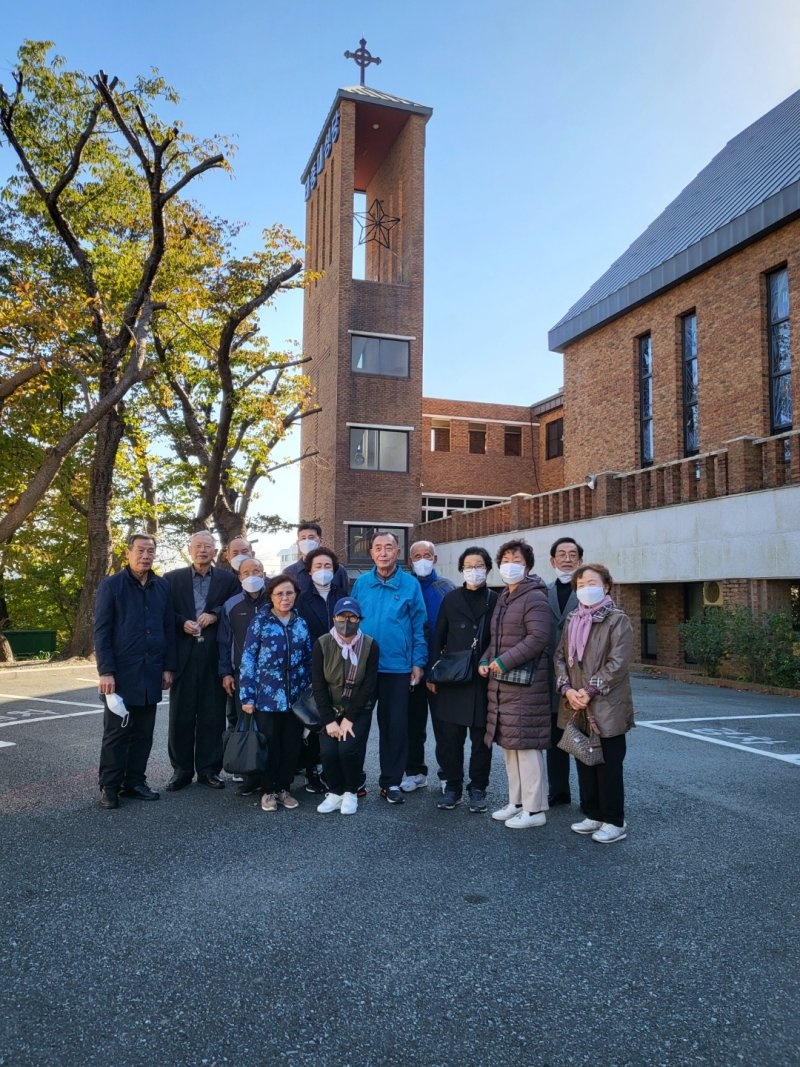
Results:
x,y
362,57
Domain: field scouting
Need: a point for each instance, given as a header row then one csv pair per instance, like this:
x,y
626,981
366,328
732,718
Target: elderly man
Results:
x,y
395,615
566,555
134,636
197,700
238,550
237,614
434,589
309,537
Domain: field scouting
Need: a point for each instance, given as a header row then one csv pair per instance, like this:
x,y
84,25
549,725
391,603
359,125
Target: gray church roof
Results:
x,y
751,187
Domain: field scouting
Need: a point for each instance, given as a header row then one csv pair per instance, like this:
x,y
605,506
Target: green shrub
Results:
x,y
706,638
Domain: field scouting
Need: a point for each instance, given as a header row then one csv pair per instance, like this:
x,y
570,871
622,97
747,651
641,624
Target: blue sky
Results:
x,y
561,128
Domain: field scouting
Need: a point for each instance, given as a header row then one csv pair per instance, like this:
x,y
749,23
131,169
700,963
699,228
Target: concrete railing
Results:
x,y
744,465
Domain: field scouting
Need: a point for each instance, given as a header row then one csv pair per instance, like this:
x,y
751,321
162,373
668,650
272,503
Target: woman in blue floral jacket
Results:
x,y
275,669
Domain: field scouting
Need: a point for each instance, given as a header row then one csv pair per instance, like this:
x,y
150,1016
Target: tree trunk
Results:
x,y
98,557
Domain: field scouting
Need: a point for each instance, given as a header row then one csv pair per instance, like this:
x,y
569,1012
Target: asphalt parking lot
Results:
x,y
199,930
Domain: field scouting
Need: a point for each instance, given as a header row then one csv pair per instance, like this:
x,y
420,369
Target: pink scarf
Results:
x,y
580,623
350,650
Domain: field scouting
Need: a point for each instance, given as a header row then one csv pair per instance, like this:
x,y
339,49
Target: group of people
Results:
x,y
530,657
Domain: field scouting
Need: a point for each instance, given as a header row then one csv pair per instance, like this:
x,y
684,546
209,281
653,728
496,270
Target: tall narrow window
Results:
x,y
780,353
691,428
477,438
554,439
646,399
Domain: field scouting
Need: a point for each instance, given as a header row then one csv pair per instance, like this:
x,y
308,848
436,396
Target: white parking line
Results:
x,y
8,744
48,700
788,757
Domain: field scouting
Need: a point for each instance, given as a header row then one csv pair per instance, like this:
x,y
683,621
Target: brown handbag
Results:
x,y
584,747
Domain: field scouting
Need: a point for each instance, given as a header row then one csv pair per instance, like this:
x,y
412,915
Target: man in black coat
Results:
x,y
134,638
197,699
566,555
309,538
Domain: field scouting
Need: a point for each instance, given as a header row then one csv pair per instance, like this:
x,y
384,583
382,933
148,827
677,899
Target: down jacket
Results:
x,y
605,666
519,715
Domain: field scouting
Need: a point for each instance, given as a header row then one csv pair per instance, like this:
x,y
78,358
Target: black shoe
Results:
x,y
213,781
178,781
313,784
109,798
361,792
477,801
557,799
247,789
139,792
393,795
448,800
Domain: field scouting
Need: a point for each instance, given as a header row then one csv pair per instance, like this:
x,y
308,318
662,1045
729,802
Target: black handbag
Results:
x,y
584,747
245,747
306,710
455,668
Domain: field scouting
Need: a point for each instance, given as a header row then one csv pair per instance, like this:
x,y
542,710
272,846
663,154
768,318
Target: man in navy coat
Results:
x,y
566,555
197,699
134,638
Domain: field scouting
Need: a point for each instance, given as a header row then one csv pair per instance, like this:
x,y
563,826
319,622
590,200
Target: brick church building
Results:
x,y
672,454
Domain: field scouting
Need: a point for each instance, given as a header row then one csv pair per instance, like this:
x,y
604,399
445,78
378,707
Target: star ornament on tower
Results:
x,y
376,224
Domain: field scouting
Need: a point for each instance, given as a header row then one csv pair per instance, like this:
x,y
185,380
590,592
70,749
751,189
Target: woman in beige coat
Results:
x,y
592,674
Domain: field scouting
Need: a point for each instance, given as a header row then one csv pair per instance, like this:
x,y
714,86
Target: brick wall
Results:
x,y
601,408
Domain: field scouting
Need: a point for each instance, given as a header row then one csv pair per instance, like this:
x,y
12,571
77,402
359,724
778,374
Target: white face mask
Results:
x,y
307,545
563,576
475,576
422,567
253,583
511,573
589,595
322,578
237,561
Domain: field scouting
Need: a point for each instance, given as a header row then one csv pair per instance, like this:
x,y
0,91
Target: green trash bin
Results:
x,y
28,644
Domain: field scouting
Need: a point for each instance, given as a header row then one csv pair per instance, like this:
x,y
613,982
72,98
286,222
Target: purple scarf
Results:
x,y
580,623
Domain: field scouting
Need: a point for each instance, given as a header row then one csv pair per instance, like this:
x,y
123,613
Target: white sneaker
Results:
x,y
412,782
332,802
349,804
523,819
505,813
586,826
608,833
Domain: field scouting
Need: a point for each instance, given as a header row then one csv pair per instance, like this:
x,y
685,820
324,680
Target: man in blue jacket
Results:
x,y
395,615
134,637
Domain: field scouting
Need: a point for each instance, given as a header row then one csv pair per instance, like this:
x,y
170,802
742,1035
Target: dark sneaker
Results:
x,y
314,784
247,789
393,795
477,801
448,800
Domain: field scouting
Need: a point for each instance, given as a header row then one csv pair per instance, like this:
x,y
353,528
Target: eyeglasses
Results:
x,y
571,556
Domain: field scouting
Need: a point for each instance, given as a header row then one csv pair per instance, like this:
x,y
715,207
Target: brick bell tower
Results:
x,y
364,334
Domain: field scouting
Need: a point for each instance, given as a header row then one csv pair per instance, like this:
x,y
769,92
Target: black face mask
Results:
x,y
346,627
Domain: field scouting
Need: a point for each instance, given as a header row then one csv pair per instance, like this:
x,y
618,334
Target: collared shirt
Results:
x,y
201,583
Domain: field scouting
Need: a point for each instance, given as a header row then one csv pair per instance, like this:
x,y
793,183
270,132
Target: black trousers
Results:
x,y
126,749
602,789
419,700
557,763
393,725
310,754
284,733
196,717
450,739
343,761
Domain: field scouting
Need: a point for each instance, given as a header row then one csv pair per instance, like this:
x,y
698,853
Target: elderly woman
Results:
x,y
460,708
345,679
592,666
275,669
519,714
